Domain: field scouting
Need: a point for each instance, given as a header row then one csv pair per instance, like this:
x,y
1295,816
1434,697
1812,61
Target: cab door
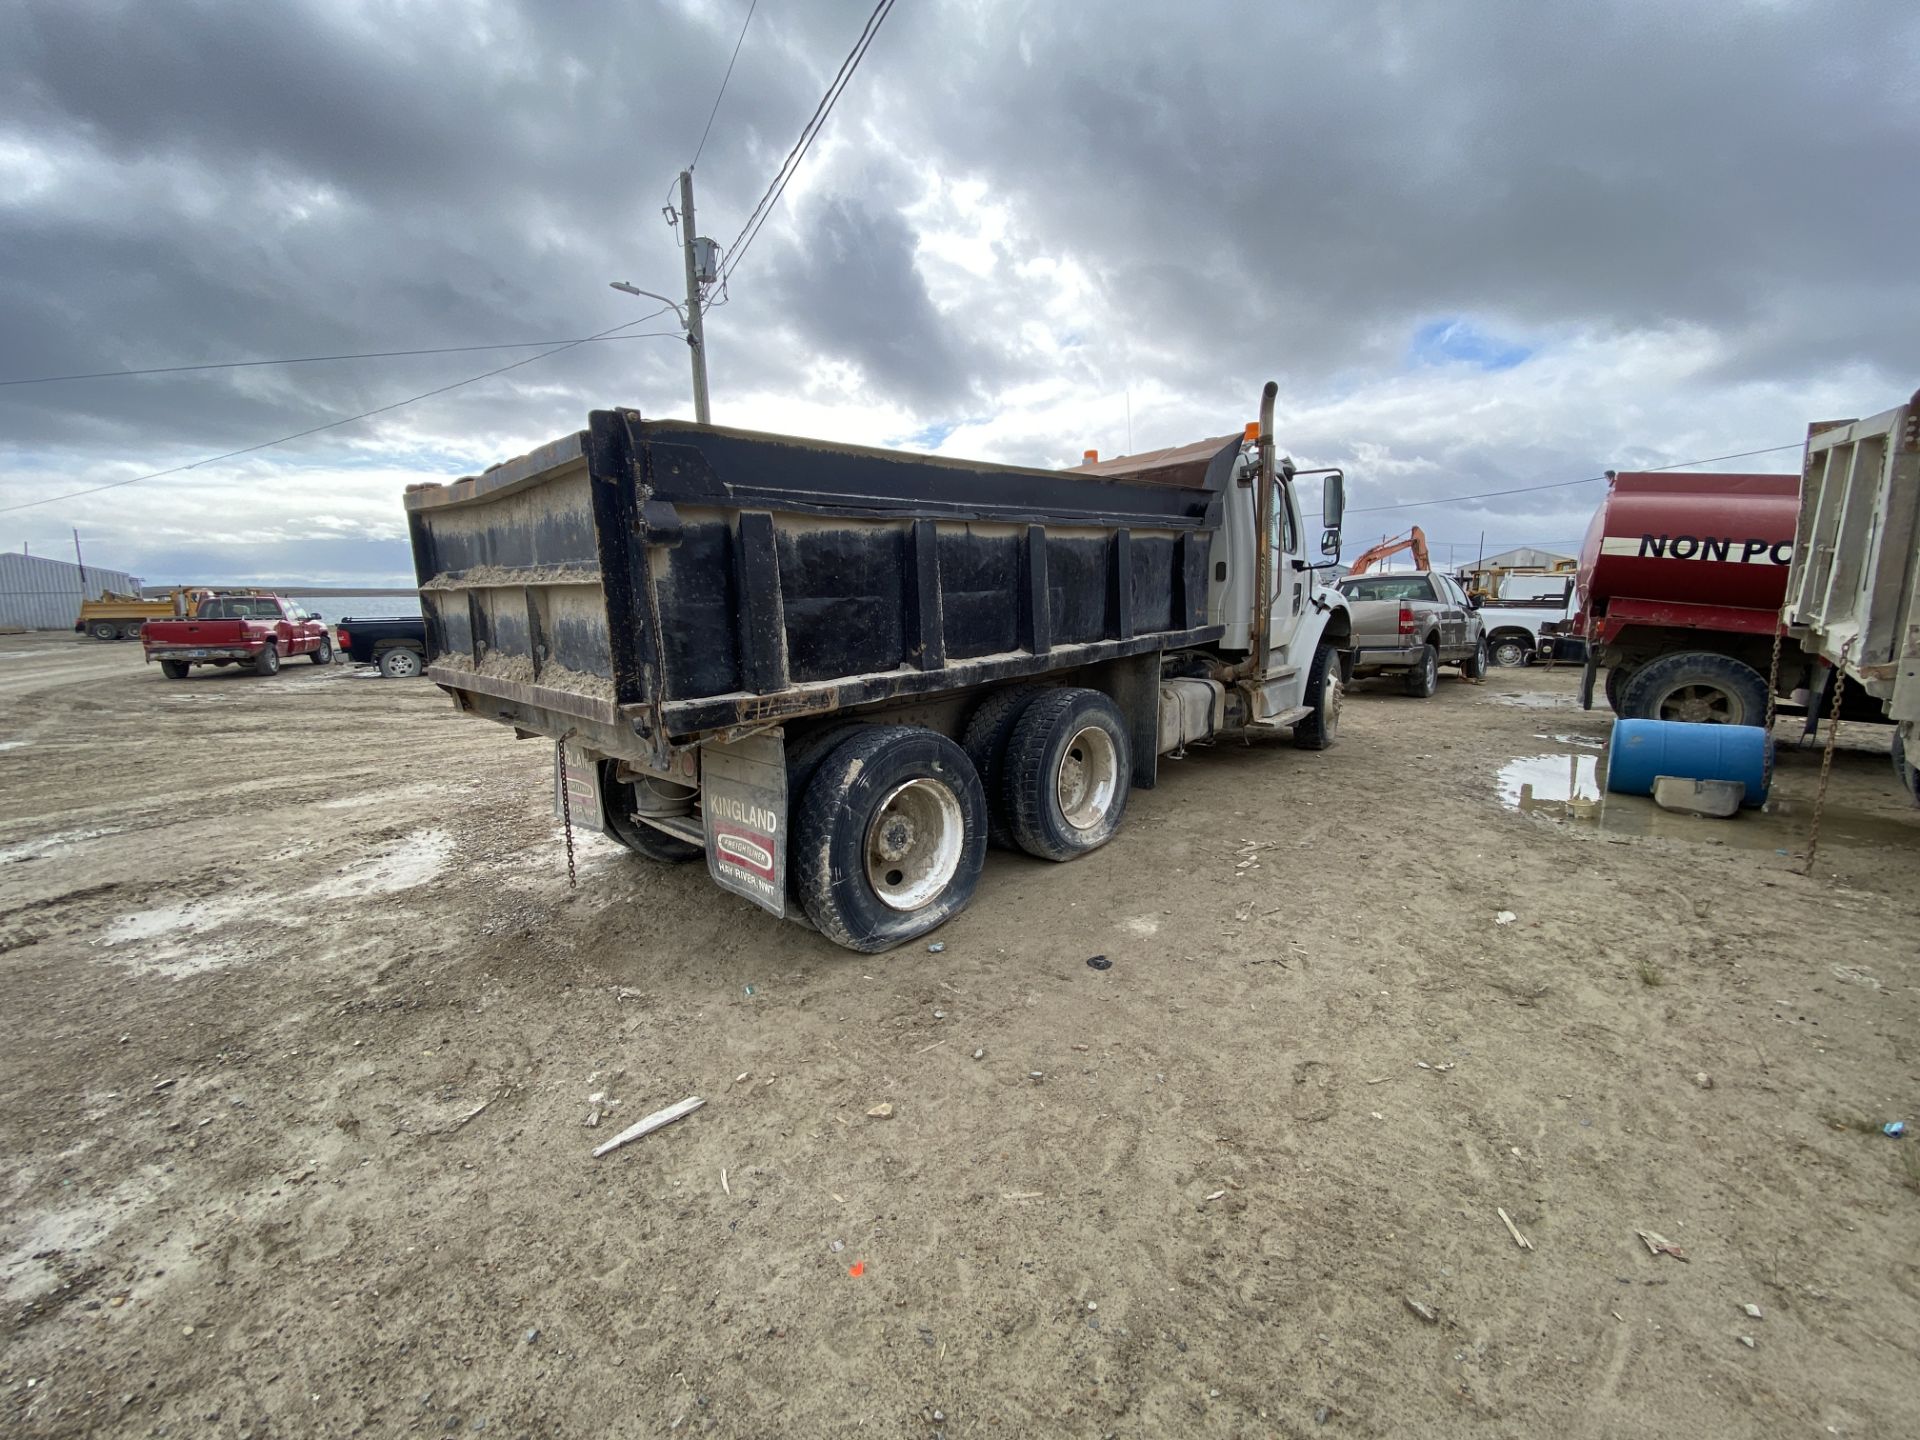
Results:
x,y
1290,579
290,631
1453,617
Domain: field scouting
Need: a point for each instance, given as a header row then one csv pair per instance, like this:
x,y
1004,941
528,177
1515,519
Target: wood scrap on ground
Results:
x,y
650,1123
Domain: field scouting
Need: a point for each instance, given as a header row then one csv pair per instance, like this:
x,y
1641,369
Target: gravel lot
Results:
x,y
303,1023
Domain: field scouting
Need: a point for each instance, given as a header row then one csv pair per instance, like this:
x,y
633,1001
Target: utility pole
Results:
x,y
696,330
77,560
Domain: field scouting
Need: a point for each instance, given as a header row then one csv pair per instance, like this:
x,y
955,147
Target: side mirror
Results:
x,y
1473,602
1333,501
1330,544
316,615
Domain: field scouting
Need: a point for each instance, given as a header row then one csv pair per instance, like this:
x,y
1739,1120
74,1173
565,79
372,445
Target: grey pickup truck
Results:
x,y
1414,623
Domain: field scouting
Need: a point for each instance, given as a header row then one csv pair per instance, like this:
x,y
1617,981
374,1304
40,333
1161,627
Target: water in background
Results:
x,y
366,607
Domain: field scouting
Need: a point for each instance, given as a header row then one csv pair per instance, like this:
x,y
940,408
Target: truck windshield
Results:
x,y
1388,587
239,608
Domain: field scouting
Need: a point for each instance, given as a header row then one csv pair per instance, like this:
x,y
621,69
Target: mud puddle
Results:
x,y
1535,700
1572,787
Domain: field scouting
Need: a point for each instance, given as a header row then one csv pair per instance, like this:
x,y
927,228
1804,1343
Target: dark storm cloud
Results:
x,y
237,181
849,288
1300,190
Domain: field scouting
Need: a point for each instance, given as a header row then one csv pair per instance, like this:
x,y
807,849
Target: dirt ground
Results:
x,y
302,1024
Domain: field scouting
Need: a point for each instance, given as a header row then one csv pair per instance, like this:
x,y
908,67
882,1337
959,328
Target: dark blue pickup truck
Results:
x,y
396,643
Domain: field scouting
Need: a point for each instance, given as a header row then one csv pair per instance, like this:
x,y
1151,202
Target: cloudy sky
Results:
x,y
1480,245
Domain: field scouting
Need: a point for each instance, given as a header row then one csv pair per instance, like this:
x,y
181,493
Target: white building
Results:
x,y
37,593
1523,557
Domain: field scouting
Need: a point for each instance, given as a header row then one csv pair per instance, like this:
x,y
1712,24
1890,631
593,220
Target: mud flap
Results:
x,y
1586,680
743,799
583,789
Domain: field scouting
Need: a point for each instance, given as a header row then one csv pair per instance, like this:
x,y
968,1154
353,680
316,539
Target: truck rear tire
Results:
x,y
267,662
985,741
174,669
1320,729
1905,768
616,800
130,630
1697,687
890,838
1067,773
1616,687
1424,678
103,630
397,662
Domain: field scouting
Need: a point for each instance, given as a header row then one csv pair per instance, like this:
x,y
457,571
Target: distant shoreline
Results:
x,y
162,591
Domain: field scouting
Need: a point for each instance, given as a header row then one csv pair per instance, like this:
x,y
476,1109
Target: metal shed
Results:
x,y
38,593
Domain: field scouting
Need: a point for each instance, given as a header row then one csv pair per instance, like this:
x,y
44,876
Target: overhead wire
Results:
x,y
1565,484
723,85
776,187
317,359
332,424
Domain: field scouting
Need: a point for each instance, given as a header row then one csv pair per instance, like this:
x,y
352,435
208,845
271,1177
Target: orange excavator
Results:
x,y
1414,540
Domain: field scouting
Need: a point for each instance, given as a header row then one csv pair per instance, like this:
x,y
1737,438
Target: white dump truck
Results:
x,y
834,672
1853,593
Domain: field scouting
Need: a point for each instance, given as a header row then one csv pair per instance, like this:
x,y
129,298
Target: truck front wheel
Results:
x,y
174,669
1474,667
267,662
324,655
1698,687
890,837
1320,729
1424,678
1067,774
1510,651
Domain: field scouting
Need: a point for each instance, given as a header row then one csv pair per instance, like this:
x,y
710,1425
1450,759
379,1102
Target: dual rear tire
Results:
x,y
891,829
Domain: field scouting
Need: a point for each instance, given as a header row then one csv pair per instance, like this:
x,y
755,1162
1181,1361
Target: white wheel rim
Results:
x,y
1509,652
402,662
1089,778
914,844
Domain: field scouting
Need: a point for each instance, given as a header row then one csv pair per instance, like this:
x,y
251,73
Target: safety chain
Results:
x,y
1773,684
1826,756
566,810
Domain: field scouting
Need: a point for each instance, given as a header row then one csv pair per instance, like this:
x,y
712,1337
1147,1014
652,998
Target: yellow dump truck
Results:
x,y
119,617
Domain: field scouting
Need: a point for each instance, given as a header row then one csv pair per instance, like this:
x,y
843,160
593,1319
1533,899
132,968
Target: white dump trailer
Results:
x,y
1853,594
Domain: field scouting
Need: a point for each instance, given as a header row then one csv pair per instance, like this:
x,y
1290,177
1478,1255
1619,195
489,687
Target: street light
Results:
x,y
679,314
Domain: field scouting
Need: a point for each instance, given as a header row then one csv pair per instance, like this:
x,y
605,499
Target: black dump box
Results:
x,y
649,584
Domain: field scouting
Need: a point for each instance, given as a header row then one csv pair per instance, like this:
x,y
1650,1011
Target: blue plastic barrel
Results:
x,y
1642,750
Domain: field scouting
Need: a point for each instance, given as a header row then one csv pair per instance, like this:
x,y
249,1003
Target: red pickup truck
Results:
x,y
229,628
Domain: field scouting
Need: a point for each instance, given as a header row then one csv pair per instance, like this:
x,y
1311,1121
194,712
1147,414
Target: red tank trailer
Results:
x,y
1681,581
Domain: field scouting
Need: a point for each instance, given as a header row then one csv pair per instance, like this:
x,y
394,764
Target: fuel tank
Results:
x,y
1690,539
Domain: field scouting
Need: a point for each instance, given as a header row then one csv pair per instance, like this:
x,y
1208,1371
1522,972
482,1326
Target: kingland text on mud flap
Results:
x,y
832,672
743,802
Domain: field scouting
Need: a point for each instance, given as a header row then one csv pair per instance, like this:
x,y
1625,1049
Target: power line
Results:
x,y
776,187
1564,484
316,359
331,424
723,85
